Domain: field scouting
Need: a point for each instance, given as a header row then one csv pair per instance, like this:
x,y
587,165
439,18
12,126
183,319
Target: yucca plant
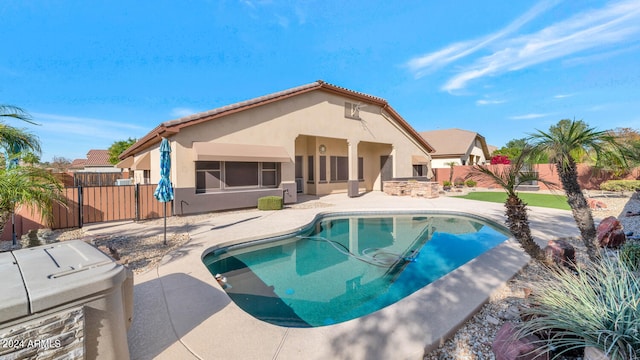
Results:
x,y
596,306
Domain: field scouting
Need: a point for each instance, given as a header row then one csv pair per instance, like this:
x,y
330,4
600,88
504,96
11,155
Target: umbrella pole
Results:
x,y
164,210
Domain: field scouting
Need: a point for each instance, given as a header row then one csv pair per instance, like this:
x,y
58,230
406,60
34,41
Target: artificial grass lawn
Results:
x,y
531,199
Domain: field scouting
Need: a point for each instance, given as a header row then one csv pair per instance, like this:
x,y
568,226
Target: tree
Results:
x,y
509,177
14,140
30,158
23,185
512,149
60,163
629,140
31,186
565,144
118,148
451,164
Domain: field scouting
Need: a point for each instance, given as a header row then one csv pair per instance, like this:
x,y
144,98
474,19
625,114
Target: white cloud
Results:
x,y
528,116
182,112
562,96
86,127
617,23
427,63
489,102
591,29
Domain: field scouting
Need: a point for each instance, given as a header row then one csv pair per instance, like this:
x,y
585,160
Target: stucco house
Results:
x,y
312,139
455,145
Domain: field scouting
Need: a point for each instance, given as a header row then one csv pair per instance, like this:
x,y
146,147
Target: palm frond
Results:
x,y
15,112
15,140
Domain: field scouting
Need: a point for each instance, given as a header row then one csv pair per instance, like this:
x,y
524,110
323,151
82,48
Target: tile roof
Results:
x,y
171,127
98,158
77,164
95,158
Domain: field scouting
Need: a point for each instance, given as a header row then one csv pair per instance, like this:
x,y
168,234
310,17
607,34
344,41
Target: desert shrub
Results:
x,y
598,306
470,183
270,203
630,254
446,183
458,182
620,185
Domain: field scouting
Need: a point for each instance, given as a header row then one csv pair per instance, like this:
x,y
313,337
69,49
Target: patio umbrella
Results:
x,y
164,191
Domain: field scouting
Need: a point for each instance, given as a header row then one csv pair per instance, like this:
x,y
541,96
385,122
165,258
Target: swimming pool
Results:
x,y
347,265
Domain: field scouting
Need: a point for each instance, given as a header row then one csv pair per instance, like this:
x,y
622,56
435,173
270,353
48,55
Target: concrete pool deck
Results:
x,y
180,311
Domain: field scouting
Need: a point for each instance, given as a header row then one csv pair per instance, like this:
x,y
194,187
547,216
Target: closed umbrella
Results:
x,y
164,191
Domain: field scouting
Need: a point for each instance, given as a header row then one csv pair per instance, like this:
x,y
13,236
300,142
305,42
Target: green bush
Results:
x,y
597,305
446,183
270,203
630,254
470,183
620,185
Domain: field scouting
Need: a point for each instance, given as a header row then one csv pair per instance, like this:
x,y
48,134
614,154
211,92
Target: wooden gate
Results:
x,y
107,203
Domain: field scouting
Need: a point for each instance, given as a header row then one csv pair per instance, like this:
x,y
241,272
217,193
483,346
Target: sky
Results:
x,y
95,72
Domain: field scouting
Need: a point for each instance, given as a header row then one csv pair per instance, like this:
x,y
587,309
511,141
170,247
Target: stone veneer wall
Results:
x,y
51,337
427,189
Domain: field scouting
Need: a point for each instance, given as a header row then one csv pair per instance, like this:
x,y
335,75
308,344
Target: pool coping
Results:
x,y
168,300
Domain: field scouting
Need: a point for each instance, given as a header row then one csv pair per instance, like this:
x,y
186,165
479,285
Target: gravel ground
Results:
x,y
471,342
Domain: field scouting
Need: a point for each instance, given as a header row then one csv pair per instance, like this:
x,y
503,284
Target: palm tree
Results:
x,y
451,164
565,144
30,186
509,177
14,140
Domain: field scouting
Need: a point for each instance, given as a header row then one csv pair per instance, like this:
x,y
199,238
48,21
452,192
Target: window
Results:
x,y
219,175
237,174
339,168
323,169
310,169
208,176
419,170
352,111
269,174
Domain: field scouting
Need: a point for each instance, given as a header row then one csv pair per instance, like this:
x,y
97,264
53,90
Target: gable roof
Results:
x,y
453,142
171,127
95,158
98,158
78,164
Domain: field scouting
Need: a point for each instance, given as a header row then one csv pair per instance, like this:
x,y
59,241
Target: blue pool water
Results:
x,y
343,267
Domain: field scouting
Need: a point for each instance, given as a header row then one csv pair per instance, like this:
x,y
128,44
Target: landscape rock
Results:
x,y
610,233
596,204
561,252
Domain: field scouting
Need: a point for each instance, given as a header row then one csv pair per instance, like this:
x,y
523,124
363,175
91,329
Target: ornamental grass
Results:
x,y
596,305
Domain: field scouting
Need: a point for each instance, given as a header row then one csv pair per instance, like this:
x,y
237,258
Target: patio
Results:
x,y
181,311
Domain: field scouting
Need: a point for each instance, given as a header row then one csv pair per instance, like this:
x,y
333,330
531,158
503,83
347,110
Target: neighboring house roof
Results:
x,y
453,142
98,158
77,164
95,158
171,127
